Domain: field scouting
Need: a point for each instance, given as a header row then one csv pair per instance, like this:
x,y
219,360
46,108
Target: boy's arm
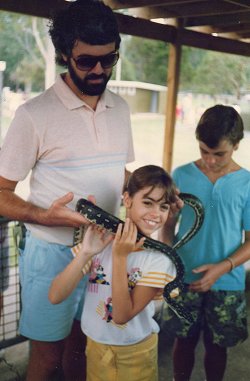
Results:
x,y
167,232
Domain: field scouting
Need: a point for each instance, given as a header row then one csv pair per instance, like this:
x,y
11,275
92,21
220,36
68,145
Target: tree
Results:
x,y
46,49
27,50
202,71
29,53
214,73
145,60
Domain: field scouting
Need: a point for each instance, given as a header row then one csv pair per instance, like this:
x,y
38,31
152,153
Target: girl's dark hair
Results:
x,y
90,21
151,176
217,123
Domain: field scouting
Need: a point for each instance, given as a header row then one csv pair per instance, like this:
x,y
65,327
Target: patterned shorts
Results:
x,y
220,314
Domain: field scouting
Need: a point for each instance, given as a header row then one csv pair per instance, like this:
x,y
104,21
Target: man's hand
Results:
x,y
59,214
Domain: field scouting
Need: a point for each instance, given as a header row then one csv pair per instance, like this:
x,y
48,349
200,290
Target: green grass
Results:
x,y
148,136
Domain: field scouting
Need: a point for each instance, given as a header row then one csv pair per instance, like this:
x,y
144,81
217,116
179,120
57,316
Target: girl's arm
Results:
x,y
125,304
95,240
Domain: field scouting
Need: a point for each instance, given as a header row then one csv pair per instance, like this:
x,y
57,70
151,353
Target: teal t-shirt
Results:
x,y
227,216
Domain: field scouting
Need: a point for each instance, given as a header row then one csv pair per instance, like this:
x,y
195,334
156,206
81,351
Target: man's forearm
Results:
x,y
57,214
15,208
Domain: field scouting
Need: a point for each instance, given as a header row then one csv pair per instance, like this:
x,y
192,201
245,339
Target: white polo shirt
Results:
x,y
69,147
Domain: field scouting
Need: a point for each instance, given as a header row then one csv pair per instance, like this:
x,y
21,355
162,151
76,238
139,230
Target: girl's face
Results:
x,y
149,211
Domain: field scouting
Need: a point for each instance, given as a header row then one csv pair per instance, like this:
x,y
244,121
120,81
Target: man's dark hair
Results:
x,y
217,123
90,21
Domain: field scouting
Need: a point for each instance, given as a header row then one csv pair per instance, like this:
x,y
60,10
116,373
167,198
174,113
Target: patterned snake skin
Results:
x,y
98,216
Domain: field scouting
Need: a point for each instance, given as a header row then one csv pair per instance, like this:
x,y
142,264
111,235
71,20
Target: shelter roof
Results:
x,y
219,25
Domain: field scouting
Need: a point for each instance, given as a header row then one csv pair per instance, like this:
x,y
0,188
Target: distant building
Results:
x,y
142,97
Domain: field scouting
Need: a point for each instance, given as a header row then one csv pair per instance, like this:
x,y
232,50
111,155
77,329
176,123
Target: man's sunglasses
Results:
x,y
85,62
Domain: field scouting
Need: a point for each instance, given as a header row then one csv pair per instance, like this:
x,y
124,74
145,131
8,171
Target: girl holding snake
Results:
x,y
124,281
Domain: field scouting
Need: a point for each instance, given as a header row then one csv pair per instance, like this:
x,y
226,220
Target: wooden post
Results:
x,y
172,92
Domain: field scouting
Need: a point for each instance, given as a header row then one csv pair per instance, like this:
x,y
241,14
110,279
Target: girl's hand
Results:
x,y
95,240
125,239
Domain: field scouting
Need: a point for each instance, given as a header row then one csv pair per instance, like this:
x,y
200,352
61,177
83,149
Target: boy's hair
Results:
x,y
218,123
151,176
90,21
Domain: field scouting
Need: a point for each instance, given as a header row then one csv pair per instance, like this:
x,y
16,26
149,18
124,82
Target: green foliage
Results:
x,y
214,72
144,60
24,64
201,70
141,59
191,59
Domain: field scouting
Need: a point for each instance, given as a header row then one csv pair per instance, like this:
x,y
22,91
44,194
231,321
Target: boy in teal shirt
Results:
x,y
214,258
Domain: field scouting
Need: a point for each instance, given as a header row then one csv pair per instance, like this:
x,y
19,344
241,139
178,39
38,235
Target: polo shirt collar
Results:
x,y
71,101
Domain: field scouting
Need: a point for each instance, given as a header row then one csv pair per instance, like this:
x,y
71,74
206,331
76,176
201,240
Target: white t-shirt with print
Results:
x,y
144,268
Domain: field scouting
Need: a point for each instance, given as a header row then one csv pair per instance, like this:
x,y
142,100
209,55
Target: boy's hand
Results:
x,y
176,206
125,239
210,273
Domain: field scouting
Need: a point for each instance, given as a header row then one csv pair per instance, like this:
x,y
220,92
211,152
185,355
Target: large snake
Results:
x,y
98,216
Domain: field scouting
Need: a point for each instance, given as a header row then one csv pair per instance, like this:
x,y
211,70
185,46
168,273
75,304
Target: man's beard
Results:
x,y
84,86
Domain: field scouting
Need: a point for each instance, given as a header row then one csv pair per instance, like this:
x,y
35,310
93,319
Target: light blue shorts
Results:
x,y
39,263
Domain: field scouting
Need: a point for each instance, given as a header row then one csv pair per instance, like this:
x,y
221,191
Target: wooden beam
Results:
x,y
145,28
37,8
124,4
148,29
139,27
240,28
217,20
218,44
194,10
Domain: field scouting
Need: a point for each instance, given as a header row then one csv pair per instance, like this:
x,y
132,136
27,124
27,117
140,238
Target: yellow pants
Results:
x,y
137,362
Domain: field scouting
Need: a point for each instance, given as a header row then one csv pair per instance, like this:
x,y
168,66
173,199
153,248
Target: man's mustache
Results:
x,y
94,76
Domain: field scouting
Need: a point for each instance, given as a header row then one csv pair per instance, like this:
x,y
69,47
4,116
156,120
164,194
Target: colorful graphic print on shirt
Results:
x,y
97,279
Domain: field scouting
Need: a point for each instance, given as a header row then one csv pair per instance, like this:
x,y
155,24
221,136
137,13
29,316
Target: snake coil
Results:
x,y
102,218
